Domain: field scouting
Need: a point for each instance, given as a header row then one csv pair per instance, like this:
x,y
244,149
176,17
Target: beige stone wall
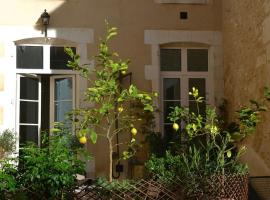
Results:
x,y
246,68
2,82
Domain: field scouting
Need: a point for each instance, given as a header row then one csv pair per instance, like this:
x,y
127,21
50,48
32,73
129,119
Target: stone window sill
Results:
x,y
182,1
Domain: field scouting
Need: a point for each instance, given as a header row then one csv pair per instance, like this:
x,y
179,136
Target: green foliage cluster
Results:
x,y
112,102
7,143
43,173
210,147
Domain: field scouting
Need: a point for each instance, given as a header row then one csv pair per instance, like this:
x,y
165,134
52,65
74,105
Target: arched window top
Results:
x,y
44,41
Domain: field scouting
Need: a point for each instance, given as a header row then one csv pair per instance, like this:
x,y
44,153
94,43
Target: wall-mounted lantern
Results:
x,y
45,19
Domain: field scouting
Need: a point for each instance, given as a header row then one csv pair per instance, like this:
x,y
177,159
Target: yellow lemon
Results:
x,y
120,109
83,140
134,131
175,126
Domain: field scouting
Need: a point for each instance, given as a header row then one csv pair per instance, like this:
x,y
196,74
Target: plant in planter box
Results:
x,y
208,160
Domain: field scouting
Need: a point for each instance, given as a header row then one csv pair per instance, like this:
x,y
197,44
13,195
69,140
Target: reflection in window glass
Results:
x,y
171,88
63,98
171,98
28,112
59,58
170,59
197,60
29,57
28,133
28,88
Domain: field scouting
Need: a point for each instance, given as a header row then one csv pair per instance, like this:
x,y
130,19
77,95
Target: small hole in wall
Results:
x,y
184,15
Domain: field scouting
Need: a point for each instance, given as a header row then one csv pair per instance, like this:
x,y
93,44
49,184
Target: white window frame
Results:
x,y
184,76
35,73
46,63
18,76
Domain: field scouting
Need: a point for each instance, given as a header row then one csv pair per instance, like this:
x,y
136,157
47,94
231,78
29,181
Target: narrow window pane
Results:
x,y
63,98
198,83
170,59
59,58
197,60
63,89
171,89
28,112
29,57
61,109
28,134
28,88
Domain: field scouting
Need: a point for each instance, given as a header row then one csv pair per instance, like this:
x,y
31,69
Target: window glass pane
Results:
x,y
28,112
63,98
63,89
170,59
29,57
28,88
28,134
171,89
198,83
61,109
168,108
197,59
59,58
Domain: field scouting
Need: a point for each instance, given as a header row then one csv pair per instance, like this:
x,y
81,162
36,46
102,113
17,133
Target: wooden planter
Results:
x,y
227,187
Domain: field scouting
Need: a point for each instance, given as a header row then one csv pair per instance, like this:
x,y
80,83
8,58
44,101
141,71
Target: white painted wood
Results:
x,y
183,1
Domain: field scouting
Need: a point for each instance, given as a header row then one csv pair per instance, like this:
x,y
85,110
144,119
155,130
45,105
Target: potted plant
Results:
x,y
208,160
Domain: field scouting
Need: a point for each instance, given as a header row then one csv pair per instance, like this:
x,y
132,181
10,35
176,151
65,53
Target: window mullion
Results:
x,y
184,60
46,60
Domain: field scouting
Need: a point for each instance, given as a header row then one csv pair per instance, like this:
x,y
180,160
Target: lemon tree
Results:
x,y
111,101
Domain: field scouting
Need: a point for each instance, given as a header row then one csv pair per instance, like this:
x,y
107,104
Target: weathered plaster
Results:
x,y
246,34
1,115
2,82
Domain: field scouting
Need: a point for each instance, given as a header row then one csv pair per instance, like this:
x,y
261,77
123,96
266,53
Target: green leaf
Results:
x,y
93,136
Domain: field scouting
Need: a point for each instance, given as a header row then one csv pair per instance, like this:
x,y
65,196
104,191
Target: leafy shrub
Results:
x,y
164,168
44,173
7,142
210,148
51,171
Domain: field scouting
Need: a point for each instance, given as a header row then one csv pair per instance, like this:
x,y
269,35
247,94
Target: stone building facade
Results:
x,y
229,39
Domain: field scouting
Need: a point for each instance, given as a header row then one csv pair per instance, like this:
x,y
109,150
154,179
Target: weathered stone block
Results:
x,y
1,115
2,82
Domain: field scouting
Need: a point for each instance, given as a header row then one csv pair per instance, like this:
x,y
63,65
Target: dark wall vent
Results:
x,y
183,15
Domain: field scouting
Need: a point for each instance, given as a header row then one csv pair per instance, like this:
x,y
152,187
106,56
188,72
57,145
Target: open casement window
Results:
x,y
29,108
181,70
45,90
62,97
43,99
